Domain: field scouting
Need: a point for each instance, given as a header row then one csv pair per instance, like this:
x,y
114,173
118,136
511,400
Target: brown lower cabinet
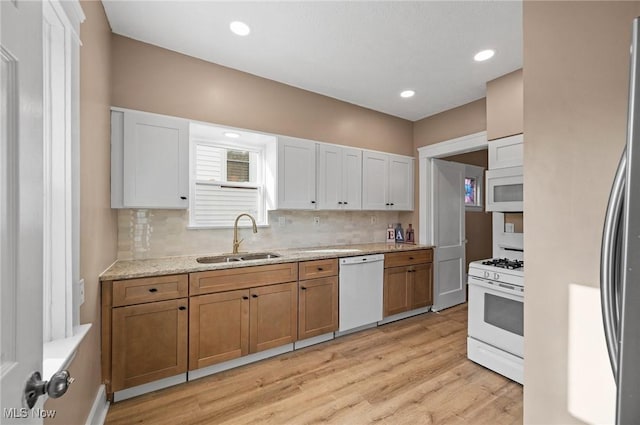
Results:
x,y
318,307
408,284
149,342
227,325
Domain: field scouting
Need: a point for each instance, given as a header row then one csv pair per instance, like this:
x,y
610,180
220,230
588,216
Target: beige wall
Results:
x,y
478,224
576,61
153,79
457,122
504,105
98,221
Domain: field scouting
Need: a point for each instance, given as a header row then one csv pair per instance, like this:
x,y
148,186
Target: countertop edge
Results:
x,y
131,269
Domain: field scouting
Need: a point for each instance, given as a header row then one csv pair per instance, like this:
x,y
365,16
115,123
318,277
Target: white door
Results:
x,y
448,215
21,202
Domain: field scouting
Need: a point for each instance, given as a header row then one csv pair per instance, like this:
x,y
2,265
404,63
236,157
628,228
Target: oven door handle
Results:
x,y
512,291
610,256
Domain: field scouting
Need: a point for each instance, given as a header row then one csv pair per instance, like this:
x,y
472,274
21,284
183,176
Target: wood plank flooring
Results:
x,y
414,371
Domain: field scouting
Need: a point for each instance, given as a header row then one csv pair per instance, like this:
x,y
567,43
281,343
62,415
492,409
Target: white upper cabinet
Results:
x,y
387,182
149,159
339,178
296,174
506,152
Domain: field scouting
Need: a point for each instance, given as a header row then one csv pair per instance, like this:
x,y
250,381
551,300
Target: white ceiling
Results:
x,y
362,52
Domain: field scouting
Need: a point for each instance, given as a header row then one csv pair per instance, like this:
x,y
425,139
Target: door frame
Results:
x,y
426,154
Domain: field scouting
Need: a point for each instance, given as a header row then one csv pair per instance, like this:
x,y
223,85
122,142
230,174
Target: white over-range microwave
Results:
x,y
504,189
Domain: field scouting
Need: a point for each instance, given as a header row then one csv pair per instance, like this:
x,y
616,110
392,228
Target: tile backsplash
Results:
x,y
148,233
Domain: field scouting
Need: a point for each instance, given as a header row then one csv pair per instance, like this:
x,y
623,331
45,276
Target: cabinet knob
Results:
x,y
182,307
153,290
313,202
254,296
183,197
387,204
320,269
345,202
304,288
410,258
245,298
392,204
340,203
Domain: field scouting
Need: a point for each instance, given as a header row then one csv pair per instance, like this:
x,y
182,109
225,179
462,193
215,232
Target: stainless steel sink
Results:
x,y
237,257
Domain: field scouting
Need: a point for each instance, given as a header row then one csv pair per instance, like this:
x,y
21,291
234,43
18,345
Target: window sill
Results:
x,y
58,354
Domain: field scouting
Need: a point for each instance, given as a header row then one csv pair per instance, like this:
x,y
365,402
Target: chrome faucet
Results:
x,y
236,242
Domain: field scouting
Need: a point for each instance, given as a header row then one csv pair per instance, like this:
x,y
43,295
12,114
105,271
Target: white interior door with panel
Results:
x,y
449,234
21,196
296,174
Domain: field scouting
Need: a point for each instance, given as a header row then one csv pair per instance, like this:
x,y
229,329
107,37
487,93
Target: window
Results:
x,y
473,188
227,178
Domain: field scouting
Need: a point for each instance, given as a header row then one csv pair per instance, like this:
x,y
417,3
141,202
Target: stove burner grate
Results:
x,y
504,263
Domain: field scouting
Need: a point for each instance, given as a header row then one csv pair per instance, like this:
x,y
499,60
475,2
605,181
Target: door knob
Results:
x,y
56,387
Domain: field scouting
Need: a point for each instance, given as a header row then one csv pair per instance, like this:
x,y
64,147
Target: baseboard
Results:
x,y
404,315
100,407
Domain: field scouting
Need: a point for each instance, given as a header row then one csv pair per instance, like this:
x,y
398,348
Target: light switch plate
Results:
x,y
509,227
282,221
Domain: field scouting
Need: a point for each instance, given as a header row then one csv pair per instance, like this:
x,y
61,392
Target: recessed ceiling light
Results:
x,y
231,134
484,55
239,28
407,93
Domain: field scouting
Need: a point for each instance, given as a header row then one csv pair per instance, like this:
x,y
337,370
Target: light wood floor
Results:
x,y
414,371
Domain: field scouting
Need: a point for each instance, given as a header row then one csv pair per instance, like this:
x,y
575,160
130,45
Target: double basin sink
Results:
x,y
231,258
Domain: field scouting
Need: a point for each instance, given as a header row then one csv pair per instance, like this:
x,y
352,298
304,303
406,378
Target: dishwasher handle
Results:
x,y
362,259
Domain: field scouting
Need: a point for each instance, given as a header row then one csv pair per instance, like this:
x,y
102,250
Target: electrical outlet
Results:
x,y
282,221
374,219
509,227
316,220
81,291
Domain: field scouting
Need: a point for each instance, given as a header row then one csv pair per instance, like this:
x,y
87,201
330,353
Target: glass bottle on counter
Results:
x,y
410,237
399,233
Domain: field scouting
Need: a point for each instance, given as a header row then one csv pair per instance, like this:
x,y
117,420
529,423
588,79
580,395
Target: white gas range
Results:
x,y
496,317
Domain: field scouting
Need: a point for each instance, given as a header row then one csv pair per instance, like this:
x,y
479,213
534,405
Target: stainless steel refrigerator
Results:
x,y
620,260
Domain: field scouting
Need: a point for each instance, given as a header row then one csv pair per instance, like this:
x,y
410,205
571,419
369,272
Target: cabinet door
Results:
x,y
397,291
351,179
400,183
296,173
318,307
506,152
274,316
421,285
375,187
149,342
330,177
156,167
218,328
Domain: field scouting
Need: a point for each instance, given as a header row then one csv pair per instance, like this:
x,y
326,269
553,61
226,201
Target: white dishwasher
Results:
x,y
360,291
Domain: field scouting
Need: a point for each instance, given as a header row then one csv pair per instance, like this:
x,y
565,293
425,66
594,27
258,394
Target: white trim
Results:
x,y
313,341
100,407
404,315
240,361
470,143
151,386
58,354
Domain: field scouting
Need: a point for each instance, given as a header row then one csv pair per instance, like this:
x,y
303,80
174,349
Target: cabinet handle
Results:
x,y
254,296
183,198
392,204
340,203
410,258
182,307
387,204
313,202
245,298
345,202
304,288
153,290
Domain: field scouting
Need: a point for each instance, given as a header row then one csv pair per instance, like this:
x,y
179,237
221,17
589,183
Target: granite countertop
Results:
x,y
127,269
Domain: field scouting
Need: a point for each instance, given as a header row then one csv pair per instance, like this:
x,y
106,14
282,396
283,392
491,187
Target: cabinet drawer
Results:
x,y
137,291
241,278
318,268
407,258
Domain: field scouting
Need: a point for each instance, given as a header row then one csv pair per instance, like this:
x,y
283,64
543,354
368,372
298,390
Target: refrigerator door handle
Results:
x,y
610,258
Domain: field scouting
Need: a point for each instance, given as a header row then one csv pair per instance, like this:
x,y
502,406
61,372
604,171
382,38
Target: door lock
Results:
x,y
56,387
